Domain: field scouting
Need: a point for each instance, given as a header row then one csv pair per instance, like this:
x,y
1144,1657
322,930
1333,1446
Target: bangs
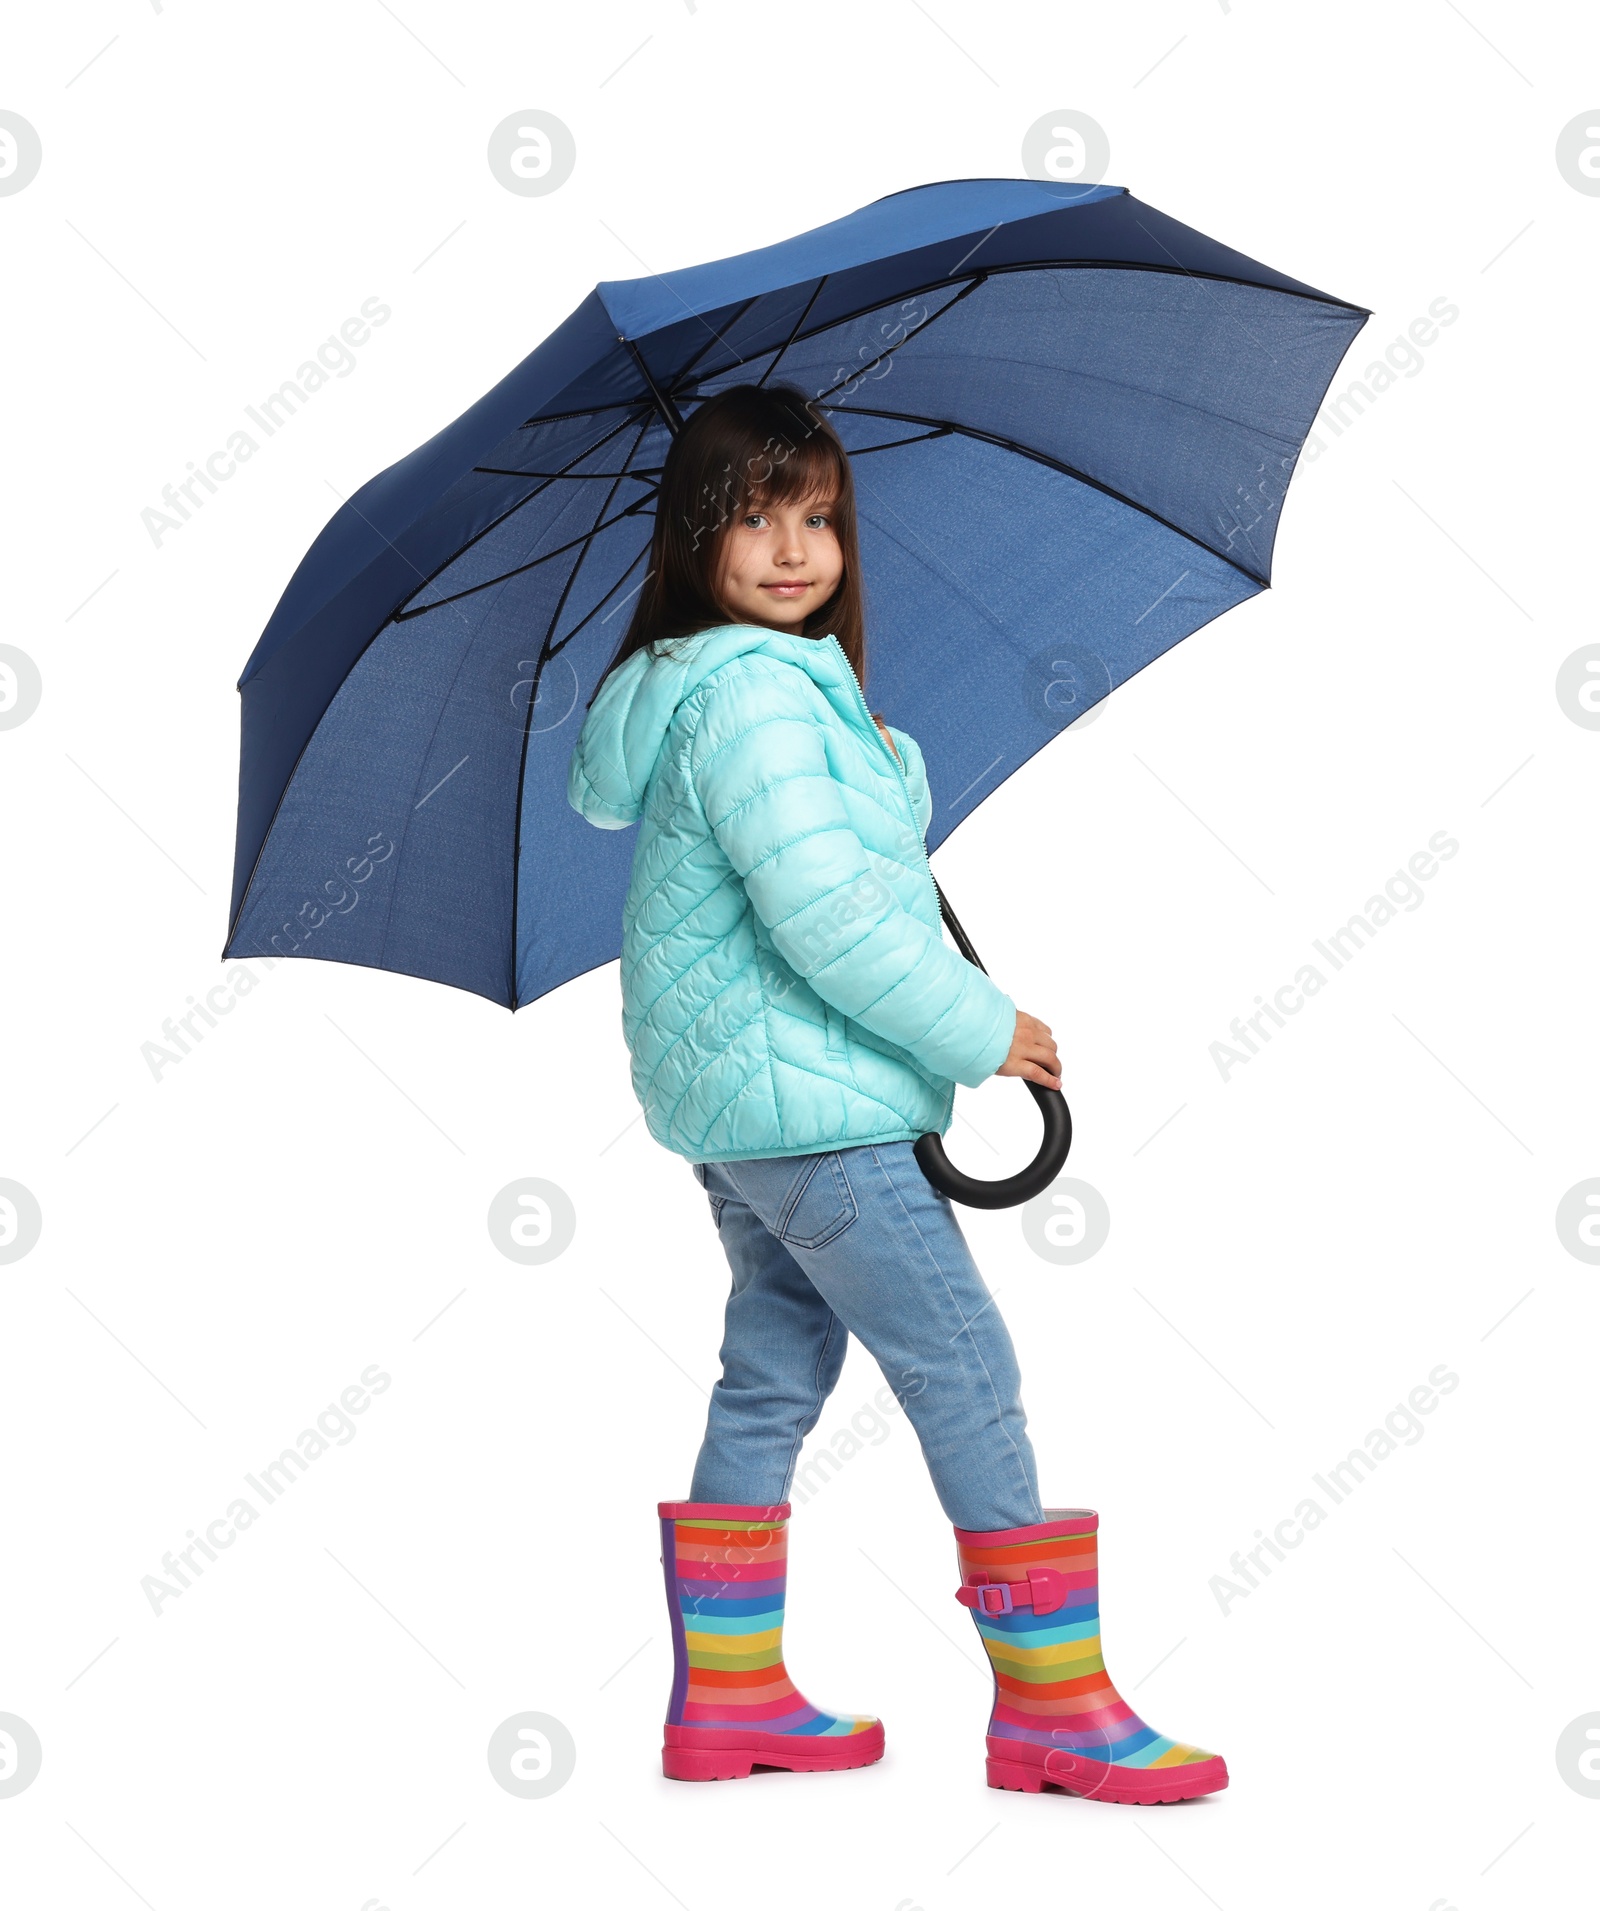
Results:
x,y
790,474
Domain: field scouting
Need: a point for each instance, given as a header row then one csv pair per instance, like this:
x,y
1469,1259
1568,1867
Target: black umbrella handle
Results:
x,y
1045,1166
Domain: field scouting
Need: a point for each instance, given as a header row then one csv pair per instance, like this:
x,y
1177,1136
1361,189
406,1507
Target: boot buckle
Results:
x,y
1044,1589
986,1596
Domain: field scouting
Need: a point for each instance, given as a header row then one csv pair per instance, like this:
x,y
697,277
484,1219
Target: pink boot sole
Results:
x,y
698,1753
1015,1766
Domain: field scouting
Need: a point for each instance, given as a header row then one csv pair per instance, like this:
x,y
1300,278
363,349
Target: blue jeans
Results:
x,y
858,1242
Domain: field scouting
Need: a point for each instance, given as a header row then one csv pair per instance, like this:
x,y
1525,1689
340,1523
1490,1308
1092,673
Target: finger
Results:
x,y
1023,1070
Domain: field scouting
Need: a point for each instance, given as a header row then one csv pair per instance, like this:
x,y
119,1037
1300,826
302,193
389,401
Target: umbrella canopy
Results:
x,y
1071,419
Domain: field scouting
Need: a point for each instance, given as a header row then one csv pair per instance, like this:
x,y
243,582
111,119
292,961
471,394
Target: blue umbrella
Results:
x,y
1072,422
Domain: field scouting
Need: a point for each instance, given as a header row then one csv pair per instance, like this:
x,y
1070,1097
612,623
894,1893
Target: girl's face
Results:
x,y
777,563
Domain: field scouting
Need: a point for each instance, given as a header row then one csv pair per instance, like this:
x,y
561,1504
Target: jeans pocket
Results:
x,y
819,1207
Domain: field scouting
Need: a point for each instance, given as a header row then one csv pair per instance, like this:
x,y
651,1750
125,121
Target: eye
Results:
x,y
755,520
818,520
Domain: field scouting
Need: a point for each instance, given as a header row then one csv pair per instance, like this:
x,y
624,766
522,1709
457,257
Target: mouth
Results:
x,y
787,589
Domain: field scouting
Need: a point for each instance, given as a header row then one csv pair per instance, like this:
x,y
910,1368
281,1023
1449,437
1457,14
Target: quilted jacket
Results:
x,y
786,987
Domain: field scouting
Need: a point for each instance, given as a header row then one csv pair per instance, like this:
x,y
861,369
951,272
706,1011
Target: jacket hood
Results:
x,y
620,743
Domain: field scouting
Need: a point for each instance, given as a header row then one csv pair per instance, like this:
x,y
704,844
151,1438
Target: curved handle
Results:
x,y
1046,1164
1011,1193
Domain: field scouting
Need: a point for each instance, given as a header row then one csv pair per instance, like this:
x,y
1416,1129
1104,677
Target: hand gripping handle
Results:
x,y
1045,1166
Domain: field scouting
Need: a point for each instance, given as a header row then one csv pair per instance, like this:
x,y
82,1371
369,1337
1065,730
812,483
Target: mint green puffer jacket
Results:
x,y
786,987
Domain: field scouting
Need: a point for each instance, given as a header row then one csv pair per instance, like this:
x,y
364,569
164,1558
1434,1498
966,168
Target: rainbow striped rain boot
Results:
x,y
1058,1723
733,1706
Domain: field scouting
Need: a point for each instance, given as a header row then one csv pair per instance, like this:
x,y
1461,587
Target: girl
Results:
x,y
796,1021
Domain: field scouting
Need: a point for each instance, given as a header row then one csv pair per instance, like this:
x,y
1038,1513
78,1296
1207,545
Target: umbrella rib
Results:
x,y
1054,464
949,305
401,612
671,417
795,330
716,338
546,649
577,477
971,285
533,563
545,653
583,411
595,608
894,444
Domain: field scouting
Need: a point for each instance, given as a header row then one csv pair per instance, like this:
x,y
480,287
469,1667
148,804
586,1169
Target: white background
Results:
x,y
226,1248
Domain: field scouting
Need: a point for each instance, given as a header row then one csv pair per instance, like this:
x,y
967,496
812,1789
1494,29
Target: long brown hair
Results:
x,y
749,446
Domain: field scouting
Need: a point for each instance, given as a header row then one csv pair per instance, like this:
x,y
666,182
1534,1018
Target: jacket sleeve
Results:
x,y
760,771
